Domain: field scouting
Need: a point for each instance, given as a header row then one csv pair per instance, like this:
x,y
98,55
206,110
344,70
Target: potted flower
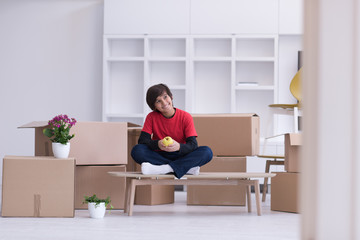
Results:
x,y
97,206
59,133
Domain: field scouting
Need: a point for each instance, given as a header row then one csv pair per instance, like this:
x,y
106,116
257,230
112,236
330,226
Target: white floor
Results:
x,y
171,221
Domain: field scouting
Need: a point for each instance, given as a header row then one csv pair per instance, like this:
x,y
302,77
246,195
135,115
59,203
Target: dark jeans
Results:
x,y
180,164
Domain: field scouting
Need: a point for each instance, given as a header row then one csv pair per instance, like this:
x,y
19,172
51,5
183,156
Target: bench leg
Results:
x,y
257,197
127,195
132,196
267,169
248,196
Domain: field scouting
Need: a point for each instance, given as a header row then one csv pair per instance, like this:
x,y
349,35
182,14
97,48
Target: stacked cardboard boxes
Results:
x,y
285,185
146,195
98,147
231,137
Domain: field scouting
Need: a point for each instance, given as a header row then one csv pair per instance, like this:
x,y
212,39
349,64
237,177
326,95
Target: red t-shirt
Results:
x,y
179,127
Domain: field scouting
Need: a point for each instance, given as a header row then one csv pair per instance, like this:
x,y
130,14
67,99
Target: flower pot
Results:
x,y
61,150
96,211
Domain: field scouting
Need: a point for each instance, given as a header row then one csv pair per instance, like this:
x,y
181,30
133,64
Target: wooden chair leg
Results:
x,y
267,169
248,197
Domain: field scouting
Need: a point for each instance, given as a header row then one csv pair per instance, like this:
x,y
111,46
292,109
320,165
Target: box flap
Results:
x,y
133,125
295,139
35,124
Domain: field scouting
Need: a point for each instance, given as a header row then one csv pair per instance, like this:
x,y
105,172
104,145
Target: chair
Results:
x,y
295,89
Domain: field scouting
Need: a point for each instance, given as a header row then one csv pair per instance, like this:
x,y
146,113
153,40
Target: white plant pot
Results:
x,y
61,150
97,211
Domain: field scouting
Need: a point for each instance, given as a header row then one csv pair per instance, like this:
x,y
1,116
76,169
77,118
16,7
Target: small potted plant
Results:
x,y
97,206
59,134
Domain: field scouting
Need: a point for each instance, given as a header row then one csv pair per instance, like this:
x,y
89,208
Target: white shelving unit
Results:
x,y
132,63
207,74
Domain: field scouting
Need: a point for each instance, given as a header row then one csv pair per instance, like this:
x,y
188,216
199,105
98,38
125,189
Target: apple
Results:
x,y
167,141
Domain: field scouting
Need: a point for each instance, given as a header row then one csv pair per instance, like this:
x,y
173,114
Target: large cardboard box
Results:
x,y
284,192
153,195
95,143
229,134
133,137
96,180
219,195
38,187
292,152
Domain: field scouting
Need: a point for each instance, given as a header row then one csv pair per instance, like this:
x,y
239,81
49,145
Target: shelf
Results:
x,y
212,59
124,47
255,47
260,88
260,72
171,73
167,47
212,47
202,72
167,59
124,59
255,59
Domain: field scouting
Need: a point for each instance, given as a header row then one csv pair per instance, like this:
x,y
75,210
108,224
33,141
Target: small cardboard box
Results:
x,y
292,152
284,192
153,194
38,187
95,143
219,195
229,134
96,180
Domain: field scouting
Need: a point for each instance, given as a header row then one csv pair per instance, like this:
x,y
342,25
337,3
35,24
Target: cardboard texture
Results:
x,y
219,195
293,143
153,195
284,192
96,180
229,134
38,187
133,137
95,143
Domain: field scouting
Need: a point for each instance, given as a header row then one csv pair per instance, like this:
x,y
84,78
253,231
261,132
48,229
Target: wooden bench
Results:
x,y
206,178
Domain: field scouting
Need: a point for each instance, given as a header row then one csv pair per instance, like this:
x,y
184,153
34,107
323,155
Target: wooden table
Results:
x,y
205,178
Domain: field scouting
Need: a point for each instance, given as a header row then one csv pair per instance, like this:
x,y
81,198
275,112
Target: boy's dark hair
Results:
x,y
154,91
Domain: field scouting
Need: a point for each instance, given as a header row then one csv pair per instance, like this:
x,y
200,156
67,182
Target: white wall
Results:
x,y
289,45
50,63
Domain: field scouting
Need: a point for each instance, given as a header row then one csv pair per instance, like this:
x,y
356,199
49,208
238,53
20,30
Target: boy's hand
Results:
x,y
175,146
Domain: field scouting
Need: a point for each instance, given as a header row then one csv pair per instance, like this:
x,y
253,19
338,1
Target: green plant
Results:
x,y
97,201
59,129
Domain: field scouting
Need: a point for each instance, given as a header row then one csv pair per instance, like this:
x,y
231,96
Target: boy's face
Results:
x,y
163,104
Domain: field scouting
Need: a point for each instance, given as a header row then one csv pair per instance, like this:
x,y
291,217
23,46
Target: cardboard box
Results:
x,y
153,195
229,134
96,180
38,187
133,137
95,143
146,195
284,192
292,152
219,195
